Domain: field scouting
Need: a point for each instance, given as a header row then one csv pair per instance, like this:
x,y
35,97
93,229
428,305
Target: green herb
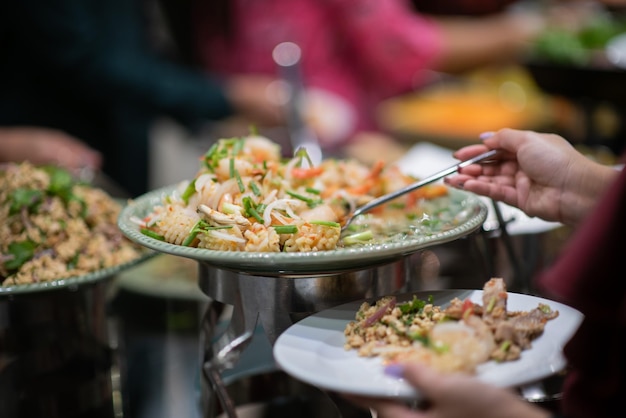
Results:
x,y
358,237
22,252
310,202
255,189
25,198
189,191
312,190
150,233
286,229
415,305
326,223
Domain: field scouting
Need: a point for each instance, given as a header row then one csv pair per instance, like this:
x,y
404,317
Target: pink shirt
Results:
x,y
364,51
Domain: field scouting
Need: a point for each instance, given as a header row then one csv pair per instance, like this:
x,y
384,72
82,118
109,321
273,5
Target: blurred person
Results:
x,y
86,67
43,146
545,176
354,54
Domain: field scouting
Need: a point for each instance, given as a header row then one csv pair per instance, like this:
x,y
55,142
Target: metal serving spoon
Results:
x,y
413,186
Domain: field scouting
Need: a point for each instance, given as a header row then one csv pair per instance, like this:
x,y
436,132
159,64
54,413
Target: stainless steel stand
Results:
x,y
275,303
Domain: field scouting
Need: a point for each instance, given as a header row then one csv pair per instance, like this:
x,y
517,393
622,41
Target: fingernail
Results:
x,y
394,370
458,184
486,135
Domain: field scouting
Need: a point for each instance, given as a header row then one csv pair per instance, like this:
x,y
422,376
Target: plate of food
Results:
x,y
251,210
57,232
481,332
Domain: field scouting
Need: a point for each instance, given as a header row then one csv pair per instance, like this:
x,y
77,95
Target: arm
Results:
x,y
42,146
542,174
396,44
100,51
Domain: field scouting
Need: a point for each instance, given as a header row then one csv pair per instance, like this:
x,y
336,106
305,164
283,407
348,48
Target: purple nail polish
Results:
x,y
394,370
486,135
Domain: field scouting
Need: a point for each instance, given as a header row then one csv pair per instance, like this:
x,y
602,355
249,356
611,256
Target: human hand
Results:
x,y
541,174
42,146
258,98
449,396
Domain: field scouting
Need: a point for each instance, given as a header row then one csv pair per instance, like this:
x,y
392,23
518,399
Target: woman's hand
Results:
x,y
542,174
450,396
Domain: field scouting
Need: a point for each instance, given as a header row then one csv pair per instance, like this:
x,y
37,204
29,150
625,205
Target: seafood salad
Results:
x,y
457,338
247,197
54,228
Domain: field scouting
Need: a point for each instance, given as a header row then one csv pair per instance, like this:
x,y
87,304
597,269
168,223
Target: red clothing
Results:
x,y
590,276
364,51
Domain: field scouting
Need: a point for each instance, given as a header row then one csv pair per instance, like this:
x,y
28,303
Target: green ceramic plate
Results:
x,y
72,282
303,263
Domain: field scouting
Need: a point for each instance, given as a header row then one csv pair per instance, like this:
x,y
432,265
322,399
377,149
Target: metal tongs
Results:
x,y
413,186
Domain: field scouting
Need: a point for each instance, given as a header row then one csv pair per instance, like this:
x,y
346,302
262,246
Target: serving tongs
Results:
x,y
414,186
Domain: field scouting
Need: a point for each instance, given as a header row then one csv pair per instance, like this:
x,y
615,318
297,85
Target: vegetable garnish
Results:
x,y
21,252
189,191
310,202
326,223
250,209
149,233
285,229
359,237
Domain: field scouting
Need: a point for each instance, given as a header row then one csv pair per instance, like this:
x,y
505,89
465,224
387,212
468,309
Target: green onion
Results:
x,y
326,223
231,167
302,153
255,189
310,202
312,190
256,215
250,209
238,146
208,157
189,191
286,229
359,237
150,233
234,173
491,304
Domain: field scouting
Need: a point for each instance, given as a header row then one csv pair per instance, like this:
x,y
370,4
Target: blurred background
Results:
x,y
154,83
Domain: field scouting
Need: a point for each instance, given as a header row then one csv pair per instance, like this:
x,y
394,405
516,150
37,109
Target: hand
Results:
x,y
257,98
450,396
541,174
42,146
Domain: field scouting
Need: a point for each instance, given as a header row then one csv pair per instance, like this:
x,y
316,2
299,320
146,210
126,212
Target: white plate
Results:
x,y
312,350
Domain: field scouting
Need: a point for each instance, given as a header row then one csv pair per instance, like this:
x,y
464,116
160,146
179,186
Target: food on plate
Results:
x,y
455,338
52,227
247,197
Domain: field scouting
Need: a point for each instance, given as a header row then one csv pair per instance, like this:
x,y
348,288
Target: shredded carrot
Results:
x,y
361,189
306,173
377,169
